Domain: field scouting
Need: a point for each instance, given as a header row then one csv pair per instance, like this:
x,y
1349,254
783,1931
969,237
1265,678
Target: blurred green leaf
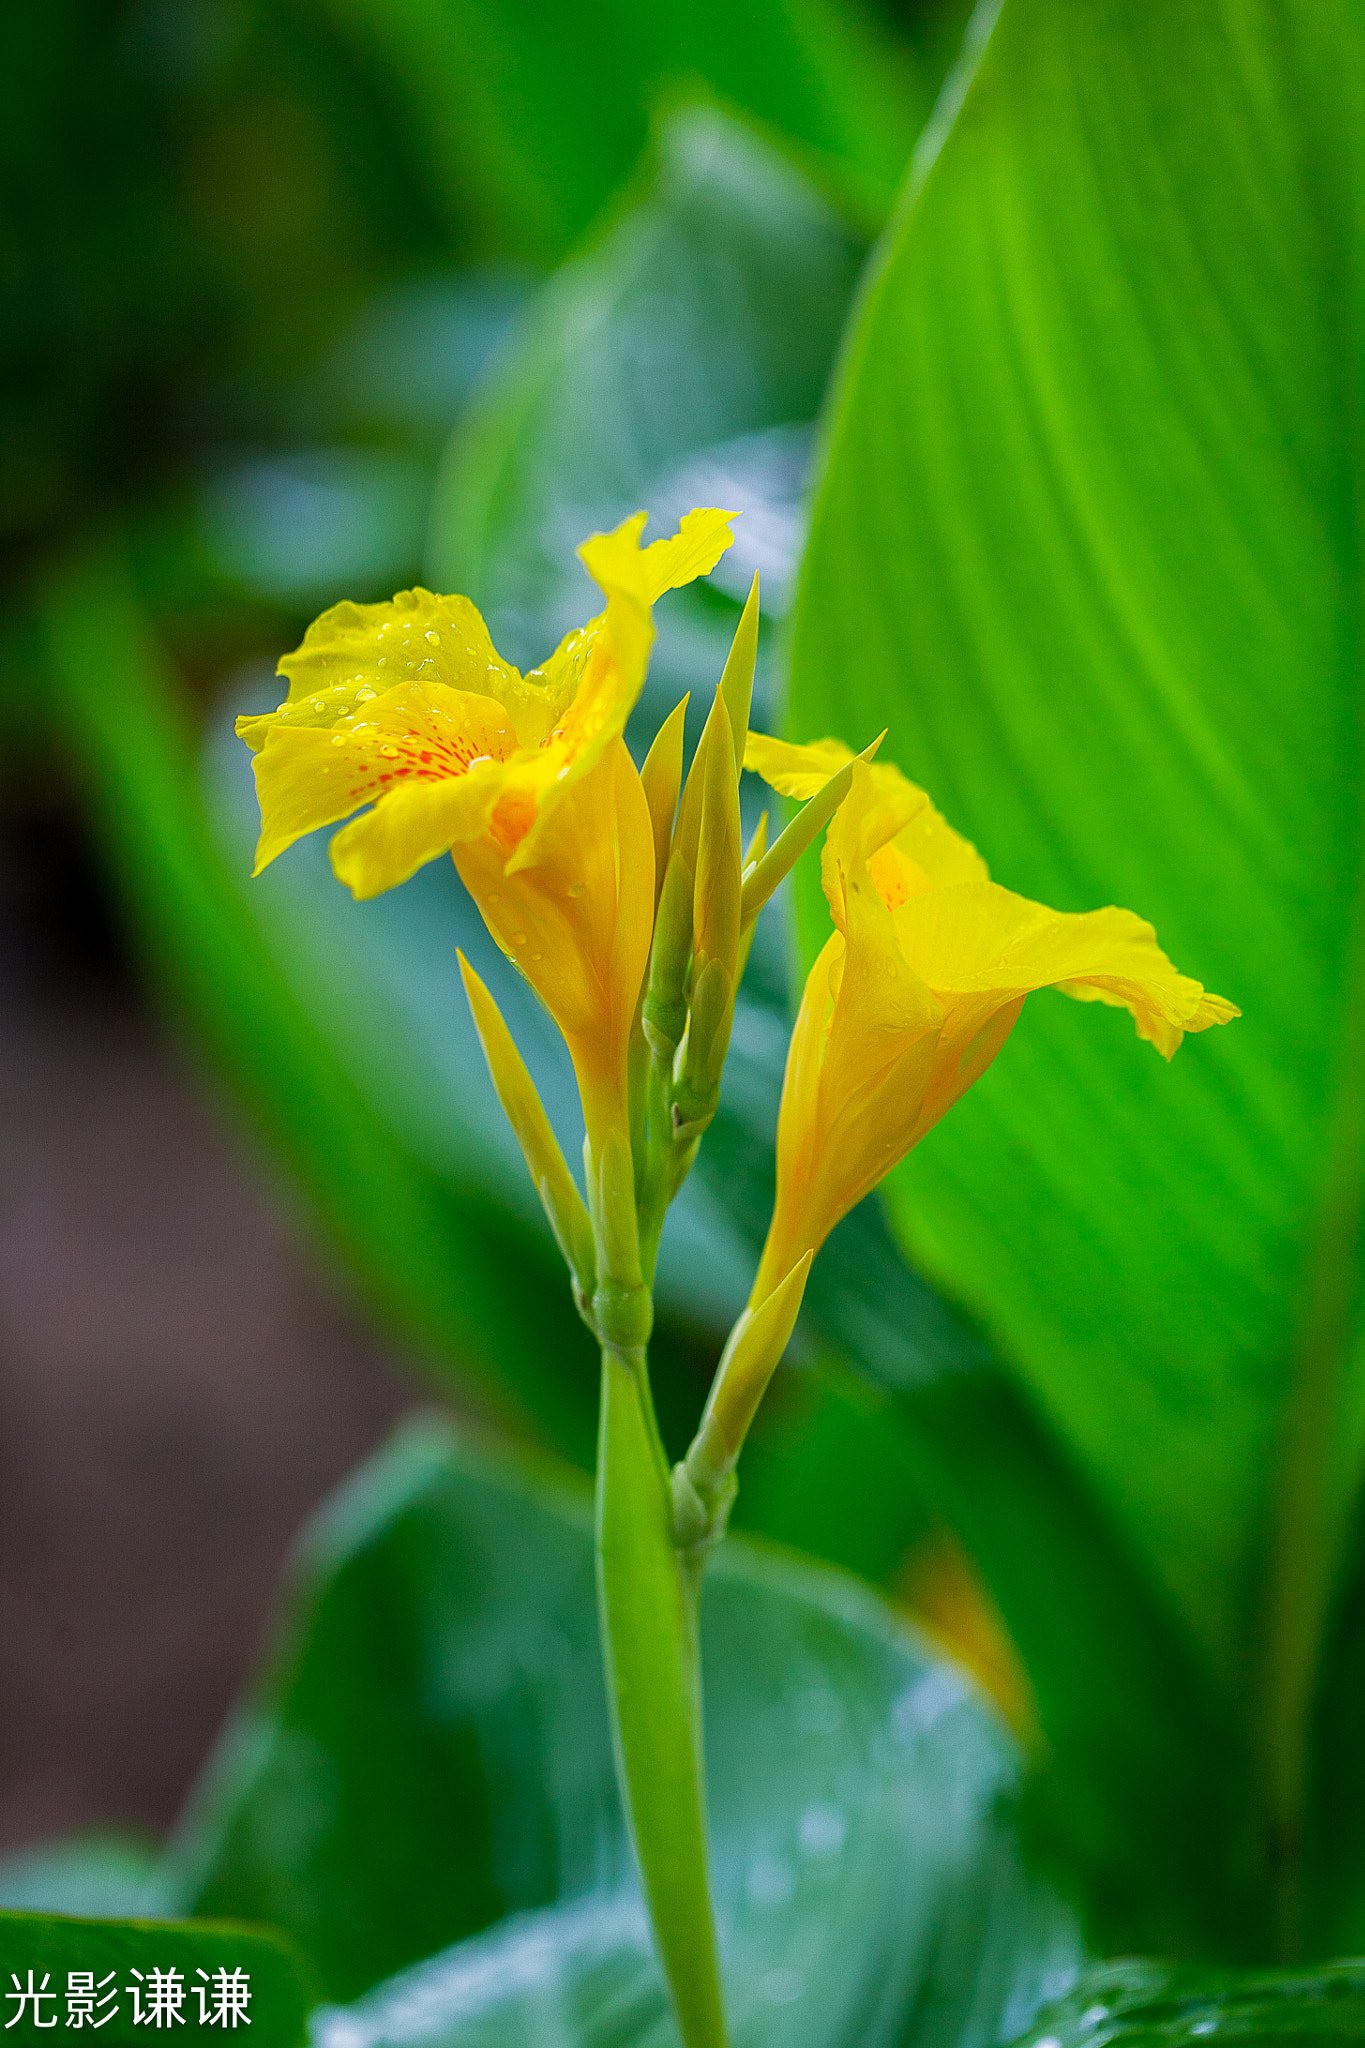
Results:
x,y
279,1992
1100,413
682,360
1141,2005
96,1876
198,193
539,115
431,1755
461,1277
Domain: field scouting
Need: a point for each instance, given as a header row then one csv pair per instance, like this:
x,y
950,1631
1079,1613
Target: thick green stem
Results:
x,y
648,1618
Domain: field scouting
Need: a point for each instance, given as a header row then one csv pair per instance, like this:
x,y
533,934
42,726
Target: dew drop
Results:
x,y
535,956
493,897
338,739
433,639
477,760
576,890
389,753
518,938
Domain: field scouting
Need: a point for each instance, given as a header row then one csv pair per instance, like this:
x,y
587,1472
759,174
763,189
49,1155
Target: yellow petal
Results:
x,y
694,550
303,781
411,826
888,807
875,810
792,770
609,659
307,776
356,651
616,561
972,942
578,921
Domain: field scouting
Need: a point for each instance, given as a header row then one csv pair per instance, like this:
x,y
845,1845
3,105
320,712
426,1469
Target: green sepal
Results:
x,y
776,864
737,681
719,882
661,779
664,1014
525,1112
701,1056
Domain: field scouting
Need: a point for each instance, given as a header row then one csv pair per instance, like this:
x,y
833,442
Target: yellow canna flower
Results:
x,y
407,708
919,987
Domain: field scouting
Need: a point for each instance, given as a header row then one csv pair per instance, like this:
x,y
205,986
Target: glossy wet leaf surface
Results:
x,y
1142,2005
430,1758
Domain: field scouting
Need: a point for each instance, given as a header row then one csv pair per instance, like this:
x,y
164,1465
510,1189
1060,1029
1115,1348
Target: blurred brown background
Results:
x,y
181,1375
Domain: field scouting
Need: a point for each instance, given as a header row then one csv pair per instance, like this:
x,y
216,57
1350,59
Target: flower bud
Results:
x,y
525,1112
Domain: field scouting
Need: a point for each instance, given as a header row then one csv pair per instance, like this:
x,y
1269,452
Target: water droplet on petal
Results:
x,y
535,956
338,739
389,753
433,638
576,890
518,938
492,897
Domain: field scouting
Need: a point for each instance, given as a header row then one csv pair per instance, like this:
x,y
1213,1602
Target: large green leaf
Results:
x,y
1087,540
249,1976
430,1756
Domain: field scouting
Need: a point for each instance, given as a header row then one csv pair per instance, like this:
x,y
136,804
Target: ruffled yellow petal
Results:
x,y
796,771
694,550
307,776
355,652
971,943
610,657
415,824
887,806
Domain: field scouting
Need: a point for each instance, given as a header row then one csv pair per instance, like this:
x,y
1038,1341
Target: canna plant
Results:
x,y
626,900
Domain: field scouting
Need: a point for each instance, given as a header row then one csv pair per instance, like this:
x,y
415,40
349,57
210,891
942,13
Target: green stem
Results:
x,y
647,1613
